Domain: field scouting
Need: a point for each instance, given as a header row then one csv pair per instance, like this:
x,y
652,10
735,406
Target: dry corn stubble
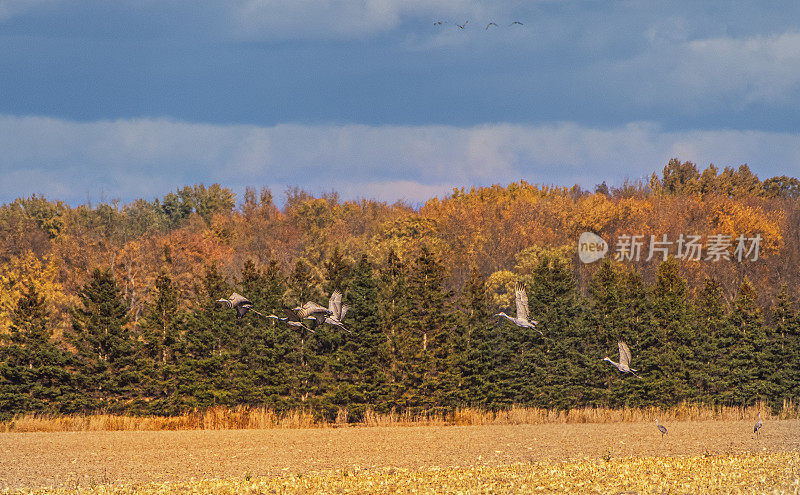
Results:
x,y
731,473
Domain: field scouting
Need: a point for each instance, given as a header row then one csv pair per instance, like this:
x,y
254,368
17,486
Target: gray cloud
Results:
x,y
128,159
711,73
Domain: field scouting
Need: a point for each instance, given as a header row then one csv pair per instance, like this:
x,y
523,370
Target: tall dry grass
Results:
x,y
238,418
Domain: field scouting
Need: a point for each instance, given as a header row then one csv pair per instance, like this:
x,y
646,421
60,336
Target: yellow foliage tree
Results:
x,y
28,269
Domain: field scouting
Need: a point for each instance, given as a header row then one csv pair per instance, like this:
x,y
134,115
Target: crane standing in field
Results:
x,y
523,312
624,364
240,303
662,429
758,425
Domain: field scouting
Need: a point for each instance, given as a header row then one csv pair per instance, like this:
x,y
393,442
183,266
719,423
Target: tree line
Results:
x,y
110,306
415,346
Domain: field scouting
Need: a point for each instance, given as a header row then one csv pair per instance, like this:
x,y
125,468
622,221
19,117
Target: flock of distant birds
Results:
x,y
316,315
464,24
295,317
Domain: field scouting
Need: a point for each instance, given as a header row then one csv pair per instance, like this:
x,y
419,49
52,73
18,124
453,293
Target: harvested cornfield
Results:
x,y
325,459
709,474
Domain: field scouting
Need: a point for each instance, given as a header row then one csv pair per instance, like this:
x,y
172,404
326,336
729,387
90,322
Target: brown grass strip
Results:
x,y
238,418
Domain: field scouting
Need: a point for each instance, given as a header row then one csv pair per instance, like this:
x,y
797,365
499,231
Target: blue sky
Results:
x,y
122,100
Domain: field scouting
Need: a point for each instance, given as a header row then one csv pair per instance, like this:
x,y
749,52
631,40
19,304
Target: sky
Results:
x,y
103,101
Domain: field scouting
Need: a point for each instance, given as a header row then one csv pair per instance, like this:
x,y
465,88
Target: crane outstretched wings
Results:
x,y
521,298
624,354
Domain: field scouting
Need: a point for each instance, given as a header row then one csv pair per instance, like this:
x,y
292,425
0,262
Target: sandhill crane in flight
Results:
x,y
516,22
438,23
337,311
292,318
491,24
758,425
462,26
523,312
312,310
624,360
240,303
662,429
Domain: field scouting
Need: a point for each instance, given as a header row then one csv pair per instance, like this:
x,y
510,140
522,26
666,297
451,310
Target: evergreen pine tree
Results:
x,y
558,357
428,339
211,341
709,337
161,329
786,350
747,358
262,368
105,348
364,357
605,324
312,376
33,370
337,272
393,312
475,348
619,301
669,356
303,284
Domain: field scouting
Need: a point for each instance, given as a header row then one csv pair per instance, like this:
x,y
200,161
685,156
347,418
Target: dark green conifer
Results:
x,y
34,374
428,337
105,347
709,337
160,330
337,272
364,356
786,351
393,311
559,357
211,341
668,356
746,353
263,367
476,346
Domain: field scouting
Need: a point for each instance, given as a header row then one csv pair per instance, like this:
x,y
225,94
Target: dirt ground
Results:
x,y
32,460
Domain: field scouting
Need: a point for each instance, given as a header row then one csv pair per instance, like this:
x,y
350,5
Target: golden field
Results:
x,y
709,474
706,456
